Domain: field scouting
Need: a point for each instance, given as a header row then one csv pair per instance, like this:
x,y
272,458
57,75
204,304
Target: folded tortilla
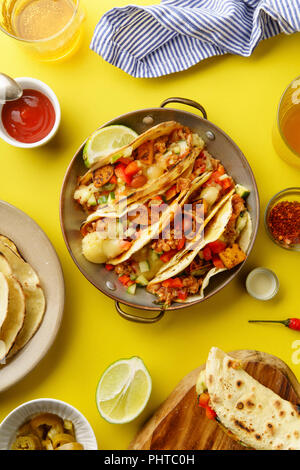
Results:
x,y
155,229
251,412
130,195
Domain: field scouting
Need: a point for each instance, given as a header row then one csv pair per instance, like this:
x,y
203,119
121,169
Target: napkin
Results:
x,y
161,39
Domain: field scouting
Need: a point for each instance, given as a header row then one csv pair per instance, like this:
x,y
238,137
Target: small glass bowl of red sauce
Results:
x,y
33,119
282,219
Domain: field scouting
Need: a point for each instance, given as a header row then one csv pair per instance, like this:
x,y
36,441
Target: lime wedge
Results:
x,y
106,141
123,390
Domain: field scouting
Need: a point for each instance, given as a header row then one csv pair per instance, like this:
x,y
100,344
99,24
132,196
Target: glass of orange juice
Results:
x,y
286,130
51,29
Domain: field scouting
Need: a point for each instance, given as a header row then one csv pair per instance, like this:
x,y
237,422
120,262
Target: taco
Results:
x,y
247,411
224,246
149,163
114,240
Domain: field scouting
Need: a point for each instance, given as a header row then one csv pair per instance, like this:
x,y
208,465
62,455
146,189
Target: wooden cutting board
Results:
x,y
180,424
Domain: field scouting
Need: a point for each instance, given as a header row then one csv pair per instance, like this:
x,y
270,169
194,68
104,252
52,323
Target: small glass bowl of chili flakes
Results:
x,y
282,219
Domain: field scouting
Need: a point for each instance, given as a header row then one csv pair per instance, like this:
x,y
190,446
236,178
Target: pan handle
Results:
x,y
137,319
192,103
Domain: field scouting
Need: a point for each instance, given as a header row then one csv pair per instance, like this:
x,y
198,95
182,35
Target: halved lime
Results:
x,y
106,141
123,390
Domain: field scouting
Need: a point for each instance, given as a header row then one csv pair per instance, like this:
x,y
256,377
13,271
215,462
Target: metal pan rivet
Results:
x,y
110,285
210,135
148,120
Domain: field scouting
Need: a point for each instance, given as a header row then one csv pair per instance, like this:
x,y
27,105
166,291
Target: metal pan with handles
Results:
x,y
219,144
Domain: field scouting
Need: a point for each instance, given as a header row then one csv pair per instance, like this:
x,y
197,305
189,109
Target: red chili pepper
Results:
x,y
292,323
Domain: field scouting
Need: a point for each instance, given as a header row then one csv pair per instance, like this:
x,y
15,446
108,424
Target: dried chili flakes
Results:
x,y
284,222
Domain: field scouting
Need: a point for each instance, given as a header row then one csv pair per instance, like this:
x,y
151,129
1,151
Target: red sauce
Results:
x,y
30,118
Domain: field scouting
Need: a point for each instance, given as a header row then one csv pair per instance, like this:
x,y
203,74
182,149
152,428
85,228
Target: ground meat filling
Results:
x,y
238,206
167,295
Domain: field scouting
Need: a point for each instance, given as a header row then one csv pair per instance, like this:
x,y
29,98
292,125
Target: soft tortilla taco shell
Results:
x,y
15,316
34,295
244,242
215,229
155,132
161,185
155,229
257,416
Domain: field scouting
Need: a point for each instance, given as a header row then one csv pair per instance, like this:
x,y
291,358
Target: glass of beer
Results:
x,y
51,29
286,131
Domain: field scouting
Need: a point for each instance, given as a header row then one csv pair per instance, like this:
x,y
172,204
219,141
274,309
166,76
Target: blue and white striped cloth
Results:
x,y
175,35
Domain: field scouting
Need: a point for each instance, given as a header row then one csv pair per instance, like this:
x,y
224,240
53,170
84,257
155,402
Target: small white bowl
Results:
x,y
83,432
34,84
273,280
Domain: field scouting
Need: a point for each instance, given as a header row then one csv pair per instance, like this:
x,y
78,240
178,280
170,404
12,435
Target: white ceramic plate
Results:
x,y
37,249
83,431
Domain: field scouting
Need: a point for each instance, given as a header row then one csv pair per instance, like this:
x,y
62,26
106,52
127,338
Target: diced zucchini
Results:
x,y
102,200
111,197
241,222
109,187
131,289
200,272
242,191
141,280
133,277
153,256
92,201
144,266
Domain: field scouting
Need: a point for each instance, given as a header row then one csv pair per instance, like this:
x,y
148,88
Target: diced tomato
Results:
x,y
120,173
113,179
226,183
132,168
181,244
217,246
176,283
109,267
125,160
215,176
171,192
124,279
182,294
165,258
207,255
210,413
203,400
218,262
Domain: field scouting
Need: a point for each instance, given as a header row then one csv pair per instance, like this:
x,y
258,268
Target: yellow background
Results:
x,y
241,96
